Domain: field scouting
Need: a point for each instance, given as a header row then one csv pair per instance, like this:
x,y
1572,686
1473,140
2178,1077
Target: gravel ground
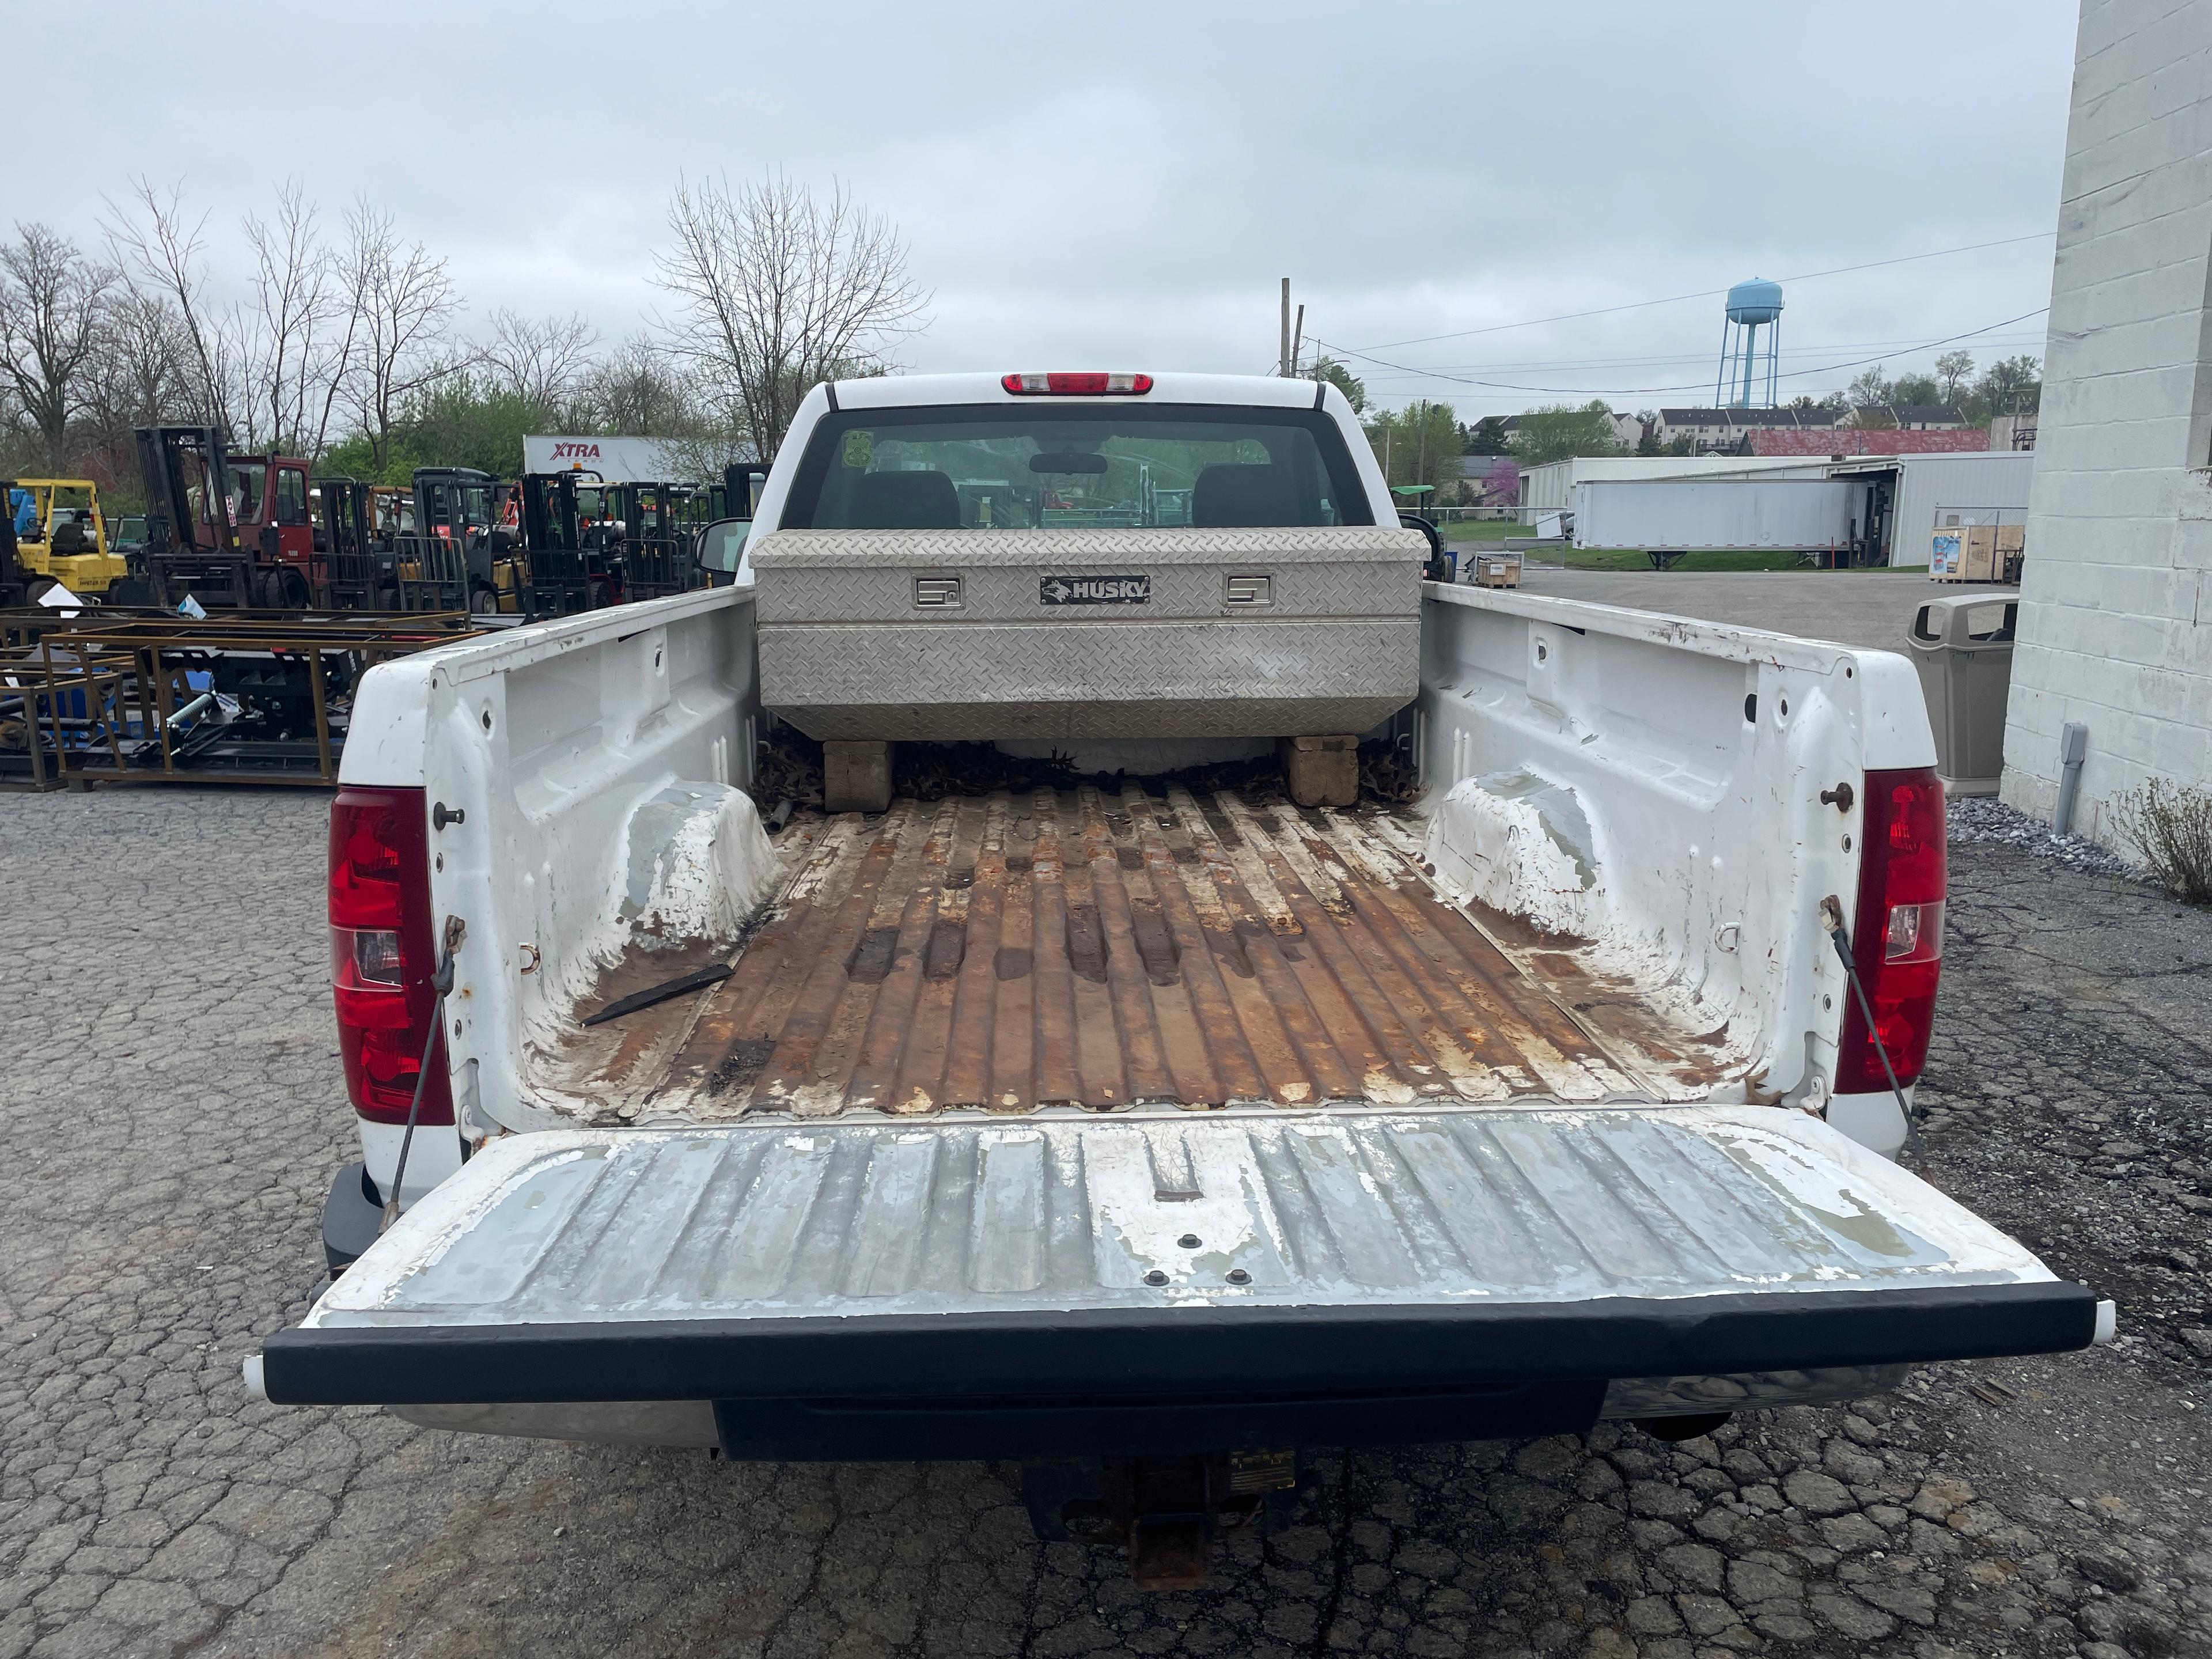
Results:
x,y
172,1108
1990,822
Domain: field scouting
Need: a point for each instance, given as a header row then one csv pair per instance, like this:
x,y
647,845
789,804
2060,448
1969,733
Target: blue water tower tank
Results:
x,y
1750,366
1755,301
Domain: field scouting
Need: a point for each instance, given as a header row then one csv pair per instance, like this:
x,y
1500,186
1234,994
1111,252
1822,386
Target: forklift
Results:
x,y
362,572
570,562
224,530
460,555
654,540
67,540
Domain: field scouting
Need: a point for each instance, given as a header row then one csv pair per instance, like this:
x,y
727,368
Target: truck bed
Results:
x,y
1082,947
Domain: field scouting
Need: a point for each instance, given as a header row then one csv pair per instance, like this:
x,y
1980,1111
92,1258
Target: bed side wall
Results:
x,y
1653,786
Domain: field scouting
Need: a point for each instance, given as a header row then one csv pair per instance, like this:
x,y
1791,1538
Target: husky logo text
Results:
x,y
1095,590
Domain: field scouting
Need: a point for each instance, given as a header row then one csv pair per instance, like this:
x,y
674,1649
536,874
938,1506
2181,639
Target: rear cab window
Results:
x,y
1052,467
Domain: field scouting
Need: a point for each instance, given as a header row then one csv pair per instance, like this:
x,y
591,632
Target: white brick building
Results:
x,y
2116,623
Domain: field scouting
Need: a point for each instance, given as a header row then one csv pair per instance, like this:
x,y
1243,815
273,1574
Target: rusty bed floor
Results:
x,y
1083,948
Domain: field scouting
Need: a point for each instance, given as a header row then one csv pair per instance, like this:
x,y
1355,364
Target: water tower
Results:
x,y
1748,365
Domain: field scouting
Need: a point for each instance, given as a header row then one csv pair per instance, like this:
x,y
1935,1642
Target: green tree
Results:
x,y
1871,386
461,421
1419,443
2010,385
1559,431
1354,390
1486,437
1952,368
1915,389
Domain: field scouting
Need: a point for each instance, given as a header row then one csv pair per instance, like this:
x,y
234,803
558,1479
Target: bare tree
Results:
x,y
138,375
1870,388
635,390
403,303
777,291
541,360
52,302
1952,369
283,337
162,255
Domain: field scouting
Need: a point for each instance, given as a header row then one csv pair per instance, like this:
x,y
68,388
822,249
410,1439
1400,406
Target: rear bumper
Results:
x,y
903,1430
1130,1358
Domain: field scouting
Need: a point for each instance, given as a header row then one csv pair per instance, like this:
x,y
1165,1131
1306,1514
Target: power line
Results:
x,y
1668,358
1704,294
1638,390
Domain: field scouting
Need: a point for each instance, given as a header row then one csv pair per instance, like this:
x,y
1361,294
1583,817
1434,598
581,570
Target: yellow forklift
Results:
x,y
61,535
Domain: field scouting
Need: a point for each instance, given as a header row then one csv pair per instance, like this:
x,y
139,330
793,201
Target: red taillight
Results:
x,y
381,953
1897,935
1062,385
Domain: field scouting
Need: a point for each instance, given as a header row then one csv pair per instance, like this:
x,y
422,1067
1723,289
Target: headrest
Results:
x,y
905,501
1243,497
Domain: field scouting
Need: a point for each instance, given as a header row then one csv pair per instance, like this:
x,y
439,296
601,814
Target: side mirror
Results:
x,y
722,549
1440,567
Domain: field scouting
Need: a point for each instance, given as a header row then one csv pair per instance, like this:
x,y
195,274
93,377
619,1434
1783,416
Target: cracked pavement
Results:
x,y
174,1112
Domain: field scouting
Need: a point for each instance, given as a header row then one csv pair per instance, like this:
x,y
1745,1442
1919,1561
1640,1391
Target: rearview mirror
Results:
x,y
1067,460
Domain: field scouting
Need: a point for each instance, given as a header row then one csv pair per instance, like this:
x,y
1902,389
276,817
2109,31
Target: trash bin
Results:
x,y
1962,645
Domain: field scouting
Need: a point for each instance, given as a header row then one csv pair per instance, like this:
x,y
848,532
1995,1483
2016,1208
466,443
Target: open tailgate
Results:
x,y
1156,1255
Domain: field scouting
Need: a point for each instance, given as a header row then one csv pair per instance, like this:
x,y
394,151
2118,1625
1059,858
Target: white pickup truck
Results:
x,y
1149,1124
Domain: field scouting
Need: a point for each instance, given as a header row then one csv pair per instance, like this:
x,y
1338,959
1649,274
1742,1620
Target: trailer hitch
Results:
x,y
1167,1511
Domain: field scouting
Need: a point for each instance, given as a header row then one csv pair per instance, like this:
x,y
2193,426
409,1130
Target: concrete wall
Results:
x,y
2116,619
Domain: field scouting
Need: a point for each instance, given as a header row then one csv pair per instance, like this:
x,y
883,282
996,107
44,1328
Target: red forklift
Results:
x,y
227,529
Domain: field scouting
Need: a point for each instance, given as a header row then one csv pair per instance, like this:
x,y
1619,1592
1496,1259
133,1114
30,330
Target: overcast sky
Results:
x,y
1123,187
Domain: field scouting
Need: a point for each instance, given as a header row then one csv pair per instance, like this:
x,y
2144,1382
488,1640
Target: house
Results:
x,y
1906,417
1489,481
1627,430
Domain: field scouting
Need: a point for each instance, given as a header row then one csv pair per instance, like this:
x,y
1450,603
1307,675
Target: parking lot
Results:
x,y
1865,608
174,1110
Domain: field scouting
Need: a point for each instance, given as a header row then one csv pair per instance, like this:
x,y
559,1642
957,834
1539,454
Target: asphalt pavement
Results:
x,y
173,1111
1865,608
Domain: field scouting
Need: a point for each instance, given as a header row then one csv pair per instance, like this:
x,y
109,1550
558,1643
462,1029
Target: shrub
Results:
x,y
2170,825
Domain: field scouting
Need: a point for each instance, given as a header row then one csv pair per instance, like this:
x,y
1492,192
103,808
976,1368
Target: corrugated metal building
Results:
x,y
1912,496
1551,488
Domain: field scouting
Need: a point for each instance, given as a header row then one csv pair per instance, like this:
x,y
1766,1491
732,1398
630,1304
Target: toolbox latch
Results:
x,y
936,592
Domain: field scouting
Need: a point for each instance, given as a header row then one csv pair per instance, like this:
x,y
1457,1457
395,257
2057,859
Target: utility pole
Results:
x,y
1297,340
1282,358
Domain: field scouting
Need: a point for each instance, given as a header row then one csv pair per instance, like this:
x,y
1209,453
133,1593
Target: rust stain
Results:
x,y
1079,948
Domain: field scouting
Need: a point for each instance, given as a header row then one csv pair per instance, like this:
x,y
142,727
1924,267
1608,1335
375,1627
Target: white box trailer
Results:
x,y
1664,515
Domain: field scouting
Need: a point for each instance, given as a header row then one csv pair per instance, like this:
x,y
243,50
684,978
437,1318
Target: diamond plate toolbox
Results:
x,y
977,635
